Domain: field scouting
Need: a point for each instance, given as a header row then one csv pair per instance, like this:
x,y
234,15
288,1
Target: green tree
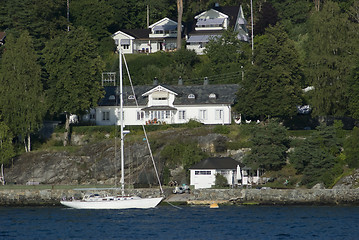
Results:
x,y
94,15
332,48
74,68
351,149
226,53
269,145
6,147
271,86
353,92
42,19
22,101
220,181
317,157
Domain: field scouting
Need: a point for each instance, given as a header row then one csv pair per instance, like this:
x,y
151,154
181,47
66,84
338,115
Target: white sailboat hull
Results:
x,y
121,203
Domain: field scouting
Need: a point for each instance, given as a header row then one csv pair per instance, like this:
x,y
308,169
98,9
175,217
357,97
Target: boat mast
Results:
x,y
121,121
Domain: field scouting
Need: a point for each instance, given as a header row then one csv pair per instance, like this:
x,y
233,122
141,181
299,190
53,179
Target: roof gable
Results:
x,y
121,33
163,21
211,14
159,88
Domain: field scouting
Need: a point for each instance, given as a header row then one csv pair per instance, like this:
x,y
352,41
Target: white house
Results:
x,y
203,174
211,24
167,104
160,36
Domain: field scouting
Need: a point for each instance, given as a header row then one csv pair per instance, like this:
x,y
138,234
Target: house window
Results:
x,y
202,173
130,97
182,115
92,116
203,114
106,116
159,98
126,46
219,114
140,115
168,114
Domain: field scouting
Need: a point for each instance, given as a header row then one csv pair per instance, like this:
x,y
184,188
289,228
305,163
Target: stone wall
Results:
x,y
34,197
278,196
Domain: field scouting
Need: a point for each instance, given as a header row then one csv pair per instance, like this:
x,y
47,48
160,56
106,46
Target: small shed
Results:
x,y
203,174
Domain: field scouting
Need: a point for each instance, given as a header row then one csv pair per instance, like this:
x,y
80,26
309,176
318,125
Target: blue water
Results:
x,y
165,222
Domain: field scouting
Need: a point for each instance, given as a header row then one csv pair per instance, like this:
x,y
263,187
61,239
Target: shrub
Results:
x,y
221,129
220,181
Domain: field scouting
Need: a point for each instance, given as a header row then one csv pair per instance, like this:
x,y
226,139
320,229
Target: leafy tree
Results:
x,y
267,16
353,92
226,52
22,101
94,15
331,50
269,145
6,147
42,19
74,69
271,87
351,149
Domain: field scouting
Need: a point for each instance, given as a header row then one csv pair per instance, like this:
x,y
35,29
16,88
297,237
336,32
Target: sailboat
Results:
x,y
95,201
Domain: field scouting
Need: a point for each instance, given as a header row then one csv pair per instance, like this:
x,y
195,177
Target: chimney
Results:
x,y
205,82
180,81
155,81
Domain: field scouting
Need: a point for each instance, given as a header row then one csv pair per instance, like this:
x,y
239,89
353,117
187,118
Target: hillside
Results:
x,y
92,160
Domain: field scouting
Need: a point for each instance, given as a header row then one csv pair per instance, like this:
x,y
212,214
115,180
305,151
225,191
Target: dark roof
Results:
x,y
225,94
217,163
231,12
138,33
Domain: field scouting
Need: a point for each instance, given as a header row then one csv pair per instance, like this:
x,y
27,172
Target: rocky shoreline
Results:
x,y
52,197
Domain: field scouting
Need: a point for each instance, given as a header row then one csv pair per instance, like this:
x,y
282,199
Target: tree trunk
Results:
x,y
67,130
2,177
317,5
179,23
28,142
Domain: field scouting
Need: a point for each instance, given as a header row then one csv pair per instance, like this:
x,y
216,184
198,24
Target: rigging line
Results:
x,y
172,205
143,127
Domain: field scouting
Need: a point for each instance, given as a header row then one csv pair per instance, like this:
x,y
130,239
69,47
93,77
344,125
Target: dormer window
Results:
x,y
159,98
111,97
212,96
131,97
191,96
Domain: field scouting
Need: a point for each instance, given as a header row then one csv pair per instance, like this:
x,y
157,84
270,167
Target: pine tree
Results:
x,y
270,143
22,101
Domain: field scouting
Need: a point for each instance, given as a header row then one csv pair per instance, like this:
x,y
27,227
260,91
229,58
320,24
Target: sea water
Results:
x,y
188,222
